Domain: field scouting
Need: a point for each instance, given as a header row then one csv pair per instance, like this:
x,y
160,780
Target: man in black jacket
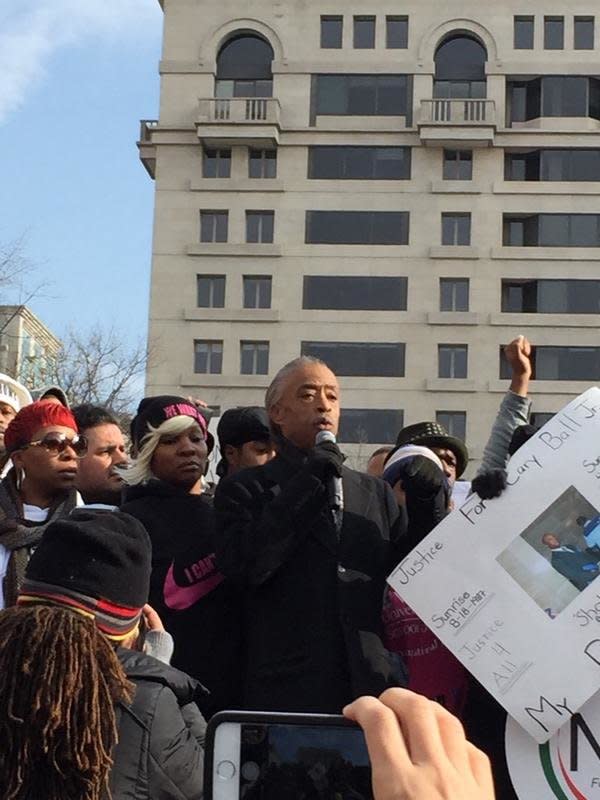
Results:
x,y
314,577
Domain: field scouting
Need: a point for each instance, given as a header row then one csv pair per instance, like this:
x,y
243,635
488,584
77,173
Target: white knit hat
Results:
x,y
392,468
13,393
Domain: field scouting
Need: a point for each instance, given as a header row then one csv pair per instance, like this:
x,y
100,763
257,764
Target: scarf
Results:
x,y
19,536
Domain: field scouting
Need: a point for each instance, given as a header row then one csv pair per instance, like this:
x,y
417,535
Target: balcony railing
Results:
x,y
146,127
441,111
248,110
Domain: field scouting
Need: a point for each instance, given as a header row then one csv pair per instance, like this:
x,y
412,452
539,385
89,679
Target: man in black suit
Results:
x,y
577,566
314,576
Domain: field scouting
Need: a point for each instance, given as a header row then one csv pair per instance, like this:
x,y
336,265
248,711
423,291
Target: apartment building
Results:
x,y
28,348
398,189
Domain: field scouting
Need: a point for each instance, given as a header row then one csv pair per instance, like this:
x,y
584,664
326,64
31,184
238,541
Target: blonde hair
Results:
x,y
140,470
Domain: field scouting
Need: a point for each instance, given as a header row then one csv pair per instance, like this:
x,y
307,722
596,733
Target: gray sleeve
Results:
x,y
160,645
514,411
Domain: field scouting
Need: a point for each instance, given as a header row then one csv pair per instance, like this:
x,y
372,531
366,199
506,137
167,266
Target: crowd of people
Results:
x,y
138,600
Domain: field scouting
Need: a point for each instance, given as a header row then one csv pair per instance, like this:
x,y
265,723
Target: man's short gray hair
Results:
x,y
276,387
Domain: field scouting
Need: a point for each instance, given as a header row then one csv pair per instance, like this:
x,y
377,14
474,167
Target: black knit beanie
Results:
x,y
95,562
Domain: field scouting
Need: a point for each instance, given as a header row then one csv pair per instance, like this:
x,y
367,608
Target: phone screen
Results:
x,y
303,762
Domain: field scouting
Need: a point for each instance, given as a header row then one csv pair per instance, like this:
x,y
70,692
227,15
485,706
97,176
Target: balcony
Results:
x,y
457,123
146,147
226,121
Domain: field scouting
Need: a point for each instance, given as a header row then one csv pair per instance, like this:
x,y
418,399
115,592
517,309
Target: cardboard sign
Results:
x,y
566,767
511,585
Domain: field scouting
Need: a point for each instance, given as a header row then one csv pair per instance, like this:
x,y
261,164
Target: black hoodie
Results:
x,y
195,602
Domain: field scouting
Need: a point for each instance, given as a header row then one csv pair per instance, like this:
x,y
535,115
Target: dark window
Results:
x,y
554,96
361,95
364,33
454,294
357,227
354,293
213,226
564,96
455,422
583,33
259,226
257,291
211,291
359,163
216,164
554,33
452,360
244,67
254,358
540,418
551,296
523,33
370,425
551,230
262,164
331,32
458,165
560,364
456,229
460,68
208,356
359,358
553,165
396,33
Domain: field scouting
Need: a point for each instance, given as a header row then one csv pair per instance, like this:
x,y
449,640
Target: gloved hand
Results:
x,y
325,461
490,484
421,477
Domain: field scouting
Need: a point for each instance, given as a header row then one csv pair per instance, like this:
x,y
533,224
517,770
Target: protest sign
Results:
x,y
511,585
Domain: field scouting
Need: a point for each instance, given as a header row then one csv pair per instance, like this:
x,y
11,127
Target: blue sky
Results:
x,y
77,76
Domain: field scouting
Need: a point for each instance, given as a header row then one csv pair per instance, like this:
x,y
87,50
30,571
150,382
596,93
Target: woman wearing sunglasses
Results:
x,y
196,604
45,447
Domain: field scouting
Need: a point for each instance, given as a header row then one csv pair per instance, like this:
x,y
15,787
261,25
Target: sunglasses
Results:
x,y
57,443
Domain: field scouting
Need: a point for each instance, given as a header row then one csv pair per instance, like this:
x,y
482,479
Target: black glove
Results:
x,y
490,484
422,477
325,461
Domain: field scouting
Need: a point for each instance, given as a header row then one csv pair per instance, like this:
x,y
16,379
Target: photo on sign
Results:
x,y
557,556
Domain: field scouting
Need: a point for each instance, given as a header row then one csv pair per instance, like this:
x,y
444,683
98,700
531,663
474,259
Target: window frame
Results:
x,y
220,160
456,162
339,38
265,219
396,19
456,229
371,34
454,300
340,286
550,20
256,347
266,158
356,358
530,34
450,425
344,153
211,279
247,280
214,226
453,361
217,344
579,20
367,219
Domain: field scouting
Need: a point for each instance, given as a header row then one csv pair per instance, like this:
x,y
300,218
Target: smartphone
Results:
x,y
268,756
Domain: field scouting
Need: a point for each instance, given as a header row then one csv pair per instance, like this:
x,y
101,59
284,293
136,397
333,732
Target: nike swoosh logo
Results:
x,y
178,598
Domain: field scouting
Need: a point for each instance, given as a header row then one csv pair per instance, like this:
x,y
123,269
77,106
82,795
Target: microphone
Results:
x,y
335,490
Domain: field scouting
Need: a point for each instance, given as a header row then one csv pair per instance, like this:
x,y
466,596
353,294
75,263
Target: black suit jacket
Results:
x,y
313,599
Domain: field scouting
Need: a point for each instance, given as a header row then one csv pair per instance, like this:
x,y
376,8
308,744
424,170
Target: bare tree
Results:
x,y
100,367
19,282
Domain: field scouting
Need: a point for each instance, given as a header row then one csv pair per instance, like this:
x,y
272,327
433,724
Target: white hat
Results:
x,y
13,393
392,468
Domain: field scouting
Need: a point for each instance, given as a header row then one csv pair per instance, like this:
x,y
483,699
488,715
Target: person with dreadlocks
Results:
x,y
82,714
44,445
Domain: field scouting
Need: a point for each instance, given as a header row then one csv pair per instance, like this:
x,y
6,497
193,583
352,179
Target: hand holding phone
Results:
x,y
418,750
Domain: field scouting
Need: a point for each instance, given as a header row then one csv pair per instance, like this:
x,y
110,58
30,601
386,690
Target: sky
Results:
x,y
76,78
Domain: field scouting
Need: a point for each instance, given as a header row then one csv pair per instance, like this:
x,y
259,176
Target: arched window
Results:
x,y
244,67
460,68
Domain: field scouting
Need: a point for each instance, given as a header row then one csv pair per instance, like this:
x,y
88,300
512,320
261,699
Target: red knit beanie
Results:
x,y
33,417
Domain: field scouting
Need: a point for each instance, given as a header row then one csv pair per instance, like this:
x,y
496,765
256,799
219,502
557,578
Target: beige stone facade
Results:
x,y
27,347
488,123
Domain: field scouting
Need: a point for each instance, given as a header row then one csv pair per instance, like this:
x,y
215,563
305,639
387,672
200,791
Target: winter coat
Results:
x,y
159,754
196,604
312,623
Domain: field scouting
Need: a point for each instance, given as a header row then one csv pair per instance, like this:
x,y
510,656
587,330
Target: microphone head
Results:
x,y
325,436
